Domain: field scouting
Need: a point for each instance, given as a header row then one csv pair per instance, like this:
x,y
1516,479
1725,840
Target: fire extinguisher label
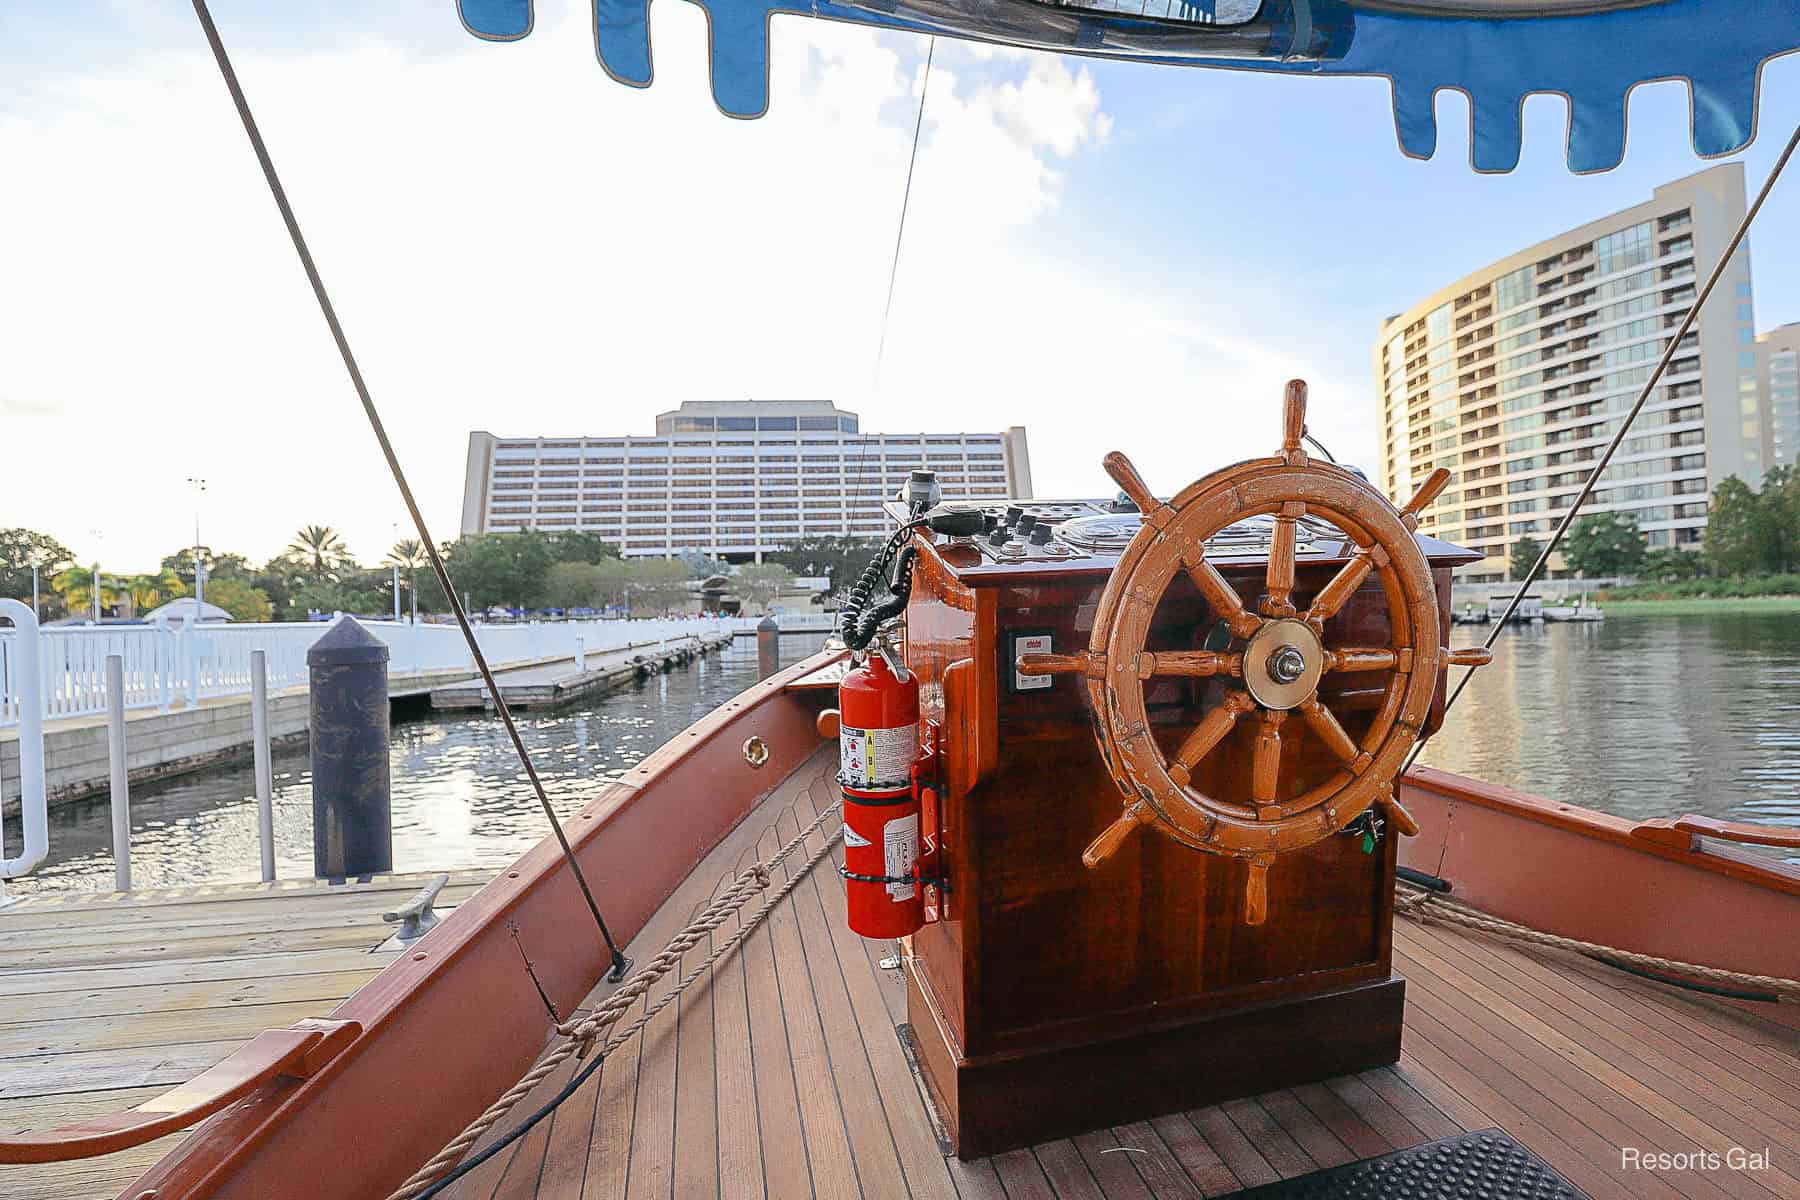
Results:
x,y
878,758
853,838
900,847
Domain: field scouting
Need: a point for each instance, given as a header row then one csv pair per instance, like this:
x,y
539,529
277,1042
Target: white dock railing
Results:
x,y
168,667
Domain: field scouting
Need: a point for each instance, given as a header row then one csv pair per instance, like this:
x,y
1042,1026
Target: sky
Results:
x,y
1115,256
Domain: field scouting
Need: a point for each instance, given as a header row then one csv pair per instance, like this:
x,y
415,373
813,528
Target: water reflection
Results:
x,y
461,800
1641,716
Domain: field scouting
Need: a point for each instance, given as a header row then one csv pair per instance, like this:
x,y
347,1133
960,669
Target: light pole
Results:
x,y
199,567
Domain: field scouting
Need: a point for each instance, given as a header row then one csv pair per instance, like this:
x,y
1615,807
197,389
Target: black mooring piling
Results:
x,y
768,647
352,788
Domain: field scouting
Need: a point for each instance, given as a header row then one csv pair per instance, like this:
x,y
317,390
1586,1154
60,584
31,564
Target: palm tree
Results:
x,y
148,591
409,553
321,547
76,586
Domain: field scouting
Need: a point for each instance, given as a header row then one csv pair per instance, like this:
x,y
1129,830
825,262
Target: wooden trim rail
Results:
x,y
295,1052
1684,833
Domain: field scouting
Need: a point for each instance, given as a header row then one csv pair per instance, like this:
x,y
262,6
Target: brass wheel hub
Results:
x,y
1282,664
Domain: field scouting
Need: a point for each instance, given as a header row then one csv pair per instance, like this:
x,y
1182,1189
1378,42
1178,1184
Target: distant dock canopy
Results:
x,y
186,611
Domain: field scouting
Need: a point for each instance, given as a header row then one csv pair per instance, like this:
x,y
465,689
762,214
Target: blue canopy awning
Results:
x,y
1497,52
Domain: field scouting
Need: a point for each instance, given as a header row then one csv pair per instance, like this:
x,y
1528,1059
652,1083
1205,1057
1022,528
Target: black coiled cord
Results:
x,y
858,622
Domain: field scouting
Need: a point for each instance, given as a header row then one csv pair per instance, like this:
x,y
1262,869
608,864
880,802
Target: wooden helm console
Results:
x,y
1246,666
1276,658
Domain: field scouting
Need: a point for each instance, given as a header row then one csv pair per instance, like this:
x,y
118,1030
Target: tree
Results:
x,y
242,599
1525,553
409,553
1603,544
655,587
320,547
1777,524
500,568
840,558
1731,528
149,591
760,583
577,547
333,595
20,550
76,586
218,566
1672,564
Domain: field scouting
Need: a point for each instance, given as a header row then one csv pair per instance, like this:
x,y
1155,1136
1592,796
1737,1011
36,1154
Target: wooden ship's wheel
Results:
x,y
1273,664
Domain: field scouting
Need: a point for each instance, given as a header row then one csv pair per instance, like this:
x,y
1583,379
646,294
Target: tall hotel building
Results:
x,y
1778,372
732,479
1515,378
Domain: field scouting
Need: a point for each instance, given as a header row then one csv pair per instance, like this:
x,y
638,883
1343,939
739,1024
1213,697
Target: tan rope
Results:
x,y
580,1033
1422,905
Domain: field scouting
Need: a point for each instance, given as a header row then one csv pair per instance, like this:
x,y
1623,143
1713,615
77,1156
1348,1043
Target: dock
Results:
x,y
553,684
108,999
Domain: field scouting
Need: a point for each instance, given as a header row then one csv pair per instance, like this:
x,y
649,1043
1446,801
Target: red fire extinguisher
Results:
x,y
878,743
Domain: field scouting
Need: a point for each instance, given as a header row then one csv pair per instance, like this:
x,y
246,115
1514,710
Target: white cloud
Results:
x,y
514,242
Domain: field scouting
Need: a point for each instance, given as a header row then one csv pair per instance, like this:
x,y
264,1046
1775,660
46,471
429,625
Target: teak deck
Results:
x,y
784,1075
109,999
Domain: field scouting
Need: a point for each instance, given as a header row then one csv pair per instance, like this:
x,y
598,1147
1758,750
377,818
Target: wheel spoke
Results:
x,y
1188,662
1209,733
1324,723
1265,769
1362,658
1343,585
1220,596
1280,578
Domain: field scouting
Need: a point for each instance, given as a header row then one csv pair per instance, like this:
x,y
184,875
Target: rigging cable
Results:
x,y
620,964
1656,374
905,203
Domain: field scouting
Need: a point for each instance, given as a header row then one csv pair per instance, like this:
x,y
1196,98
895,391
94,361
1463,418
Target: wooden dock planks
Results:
x,y
109,999
559,682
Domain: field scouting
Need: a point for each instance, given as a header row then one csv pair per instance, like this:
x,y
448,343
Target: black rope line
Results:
x,y
620,964
1656,374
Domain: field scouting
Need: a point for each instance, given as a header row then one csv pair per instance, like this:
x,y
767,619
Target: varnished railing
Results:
x,y
296,1053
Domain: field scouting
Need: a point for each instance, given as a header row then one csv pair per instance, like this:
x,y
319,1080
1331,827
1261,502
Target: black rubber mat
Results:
x,y
1485,1165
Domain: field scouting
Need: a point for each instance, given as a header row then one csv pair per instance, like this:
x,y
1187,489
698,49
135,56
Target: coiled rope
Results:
x,y
1422,905
580,1034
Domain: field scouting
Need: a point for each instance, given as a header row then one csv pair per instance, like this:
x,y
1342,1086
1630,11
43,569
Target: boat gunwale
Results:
x,y
1744,866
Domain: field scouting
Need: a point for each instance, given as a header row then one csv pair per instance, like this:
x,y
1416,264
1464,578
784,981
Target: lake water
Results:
x,y
1643,716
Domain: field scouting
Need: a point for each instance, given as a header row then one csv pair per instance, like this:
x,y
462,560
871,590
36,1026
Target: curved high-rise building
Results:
x,y
1516,376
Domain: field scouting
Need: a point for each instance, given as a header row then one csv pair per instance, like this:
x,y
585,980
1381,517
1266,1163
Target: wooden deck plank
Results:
x,y
1320,1144
1596,1092
1069,1176
1585,1159
526,1169
571,1132
1345,1124
1388,1122
202,970
1278,1148
1736,1106
1110,1164
1394,1087
615,1121
1197,1157
88,1003
853,1077
1239,1155
787,1173
697,1115
740,1136
1022,1177
827,1140
895,1088
1161,1173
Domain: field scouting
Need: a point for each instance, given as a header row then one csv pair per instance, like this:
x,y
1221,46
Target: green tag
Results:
x,y
1369,841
